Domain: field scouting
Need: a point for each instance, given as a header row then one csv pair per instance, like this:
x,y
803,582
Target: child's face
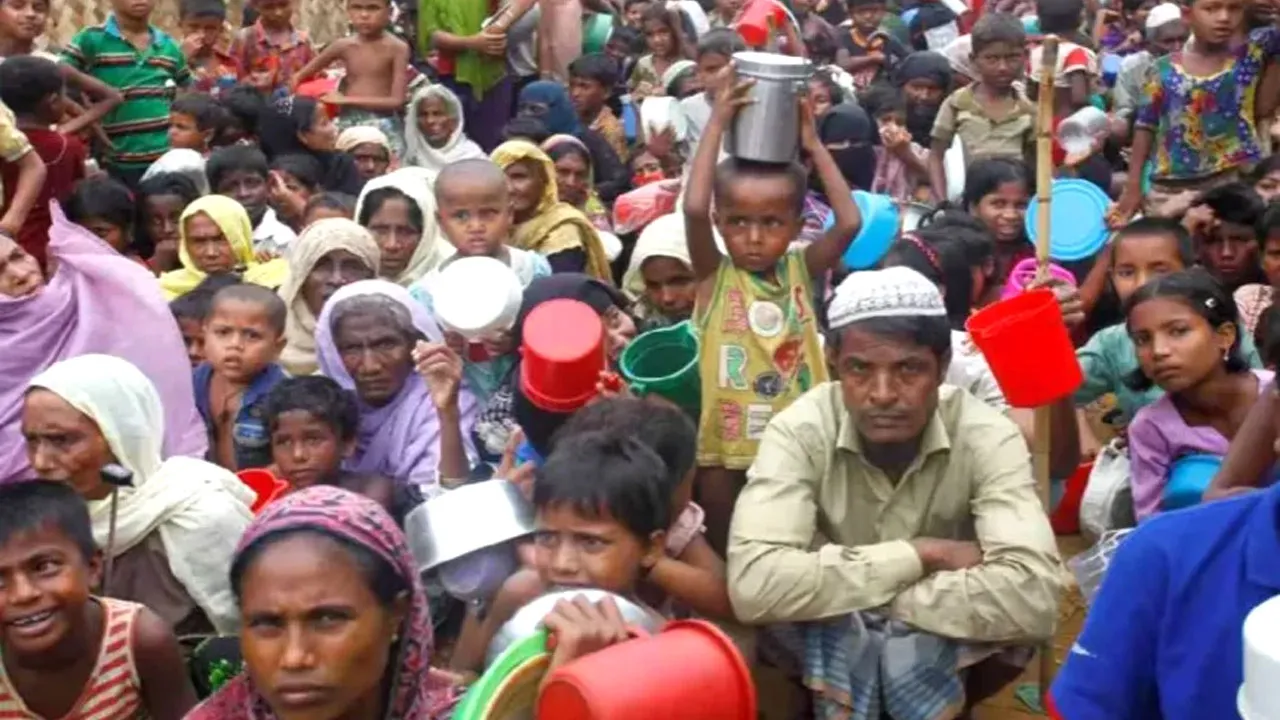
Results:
x,y
193,337
372,160
64,445
239,340
573,179
891,120
1176,346
393,228
526,184
306,449
23,20
819,97
110,233
133,9
247,187
633,13
657,37
207,28
436,120
709,64
275,13
867,18
44,585
1269,186
1138,259
616,50
757,218
669,286
587,95
1216,21
646,169
1271,260
1230,253
185,133
369,17
475,216
576,551
162,215
1003,210
999,64
209,249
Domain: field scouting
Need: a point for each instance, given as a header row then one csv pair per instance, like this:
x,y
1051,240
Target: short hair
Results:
x,y
661,426
208,114
306,169
27,80
246,104
471,168
1148,226
881,99
35,504
526,128
324,399
269,301
606,474
932,332
998,27
731,169
1235,203
203,9
329,200
863,3
225,160
1269,224
721,41
1059,16
595,66
629,38
196,304
101,197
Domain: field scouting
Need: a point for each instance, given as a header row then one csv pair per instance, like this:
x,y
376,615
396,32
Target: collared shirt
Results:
x,y
1162,640
139,127
273,236
819,531
13,142
982,135
249,433
220,73
254,53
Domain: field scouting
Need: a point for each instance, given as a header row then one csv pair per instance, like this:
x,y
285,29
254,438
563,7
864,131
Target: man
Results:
x,y
892,515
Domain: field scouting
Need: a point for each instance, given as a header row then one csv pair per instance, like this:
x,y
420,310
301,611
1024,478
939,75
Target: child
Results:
x,y
1223,222
902,166
715,50
195,119
69,653
1267,337
1254,299
328,205
300,176
1077,66
243,336
270,52
754,313
991,117
241,172
996,193
244,106
104,206
665,43
592,79
160,202
632,17
138,128
213,69
377,72
867,52
724,14
191,310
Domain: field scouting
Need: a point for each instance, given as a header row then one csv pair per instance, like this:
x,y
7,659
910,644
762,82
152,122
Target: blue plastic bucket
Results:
x,y
880,223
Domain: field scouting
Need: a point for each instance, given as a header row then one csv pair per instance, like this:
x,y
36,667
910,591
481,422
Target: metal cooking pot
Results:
x,y
768,130
528,619
467,519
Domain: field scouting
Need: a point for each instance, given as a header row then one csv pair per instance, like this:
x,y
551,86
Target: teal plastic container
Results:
x,y
664,362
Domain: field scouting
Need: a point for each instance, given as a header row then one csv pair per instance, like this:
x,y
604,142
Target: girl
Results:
x,y
901,170
1266,178
160,204
996,192
105,207
660,276
400,211
666,46
216,237
434,130
1187,338
574,179
300,125
824,93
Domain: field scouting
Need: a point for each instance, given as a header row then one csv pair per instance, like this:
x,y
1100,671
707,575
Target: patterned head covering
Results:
x,y
892,292
417,692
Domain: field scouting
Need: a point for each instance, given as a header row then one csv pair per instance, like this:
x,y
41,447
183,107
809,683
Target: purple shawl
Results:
x,y
401,439
97,301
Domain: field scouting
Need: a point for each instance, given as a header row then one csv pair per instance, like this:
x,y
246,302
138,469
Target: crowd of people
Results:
x,y
224,250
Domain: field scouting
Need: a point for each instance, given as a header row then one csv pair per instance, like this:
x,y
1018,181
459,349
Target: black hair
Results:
x,y
26,81
35,504
1131,6
1268,165
1203,294
203,9
659,425
863,3
197,304
720,41
374,200
206,111
341,202
985,176
560,150
234,158
825,78
320,396
1269,224
246,104
384,579
101,197
997,27
932,332
1148,226
607,474
632,3
1266,336
973,235
1059,17
731,169
257,295
946,256
629,38
881,99
670,19
306,169
165,184
596,66
1236,203
526,128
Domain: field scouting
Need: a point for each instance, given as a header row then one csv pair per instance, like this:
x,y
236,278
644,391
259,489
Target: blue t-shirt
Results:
x,y
249,431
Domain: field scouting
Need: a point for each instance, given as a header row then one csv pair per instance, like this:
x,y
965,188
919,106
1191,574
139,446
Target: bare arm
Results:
x,y
700,235
937,173
91,114
331,52
1251,454
31,174
825,253
167,693
696,579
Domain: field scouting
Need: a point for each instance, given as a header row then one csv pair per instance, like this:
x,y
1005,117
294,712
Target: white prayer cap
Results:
x,y
1163,14
891,292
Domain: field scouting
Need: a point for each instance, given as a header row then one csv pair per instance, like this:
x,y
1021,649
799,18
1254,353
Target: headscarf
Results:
x,y
935,68
198,508
233,221
417,691
664,237
319,239
560,116
594,209
675,71
419,152
418,184
95,301
358,135
538,233
278,131
847,123
401,439
181,161
959,53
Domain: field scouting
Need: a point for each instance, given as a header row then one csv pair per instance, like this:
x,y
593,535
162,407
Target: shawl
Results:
x,y
416,691
401,439
188,163
198,508
419,152
418,184
664,237
79,311
232,219
551,214
594,209
319,239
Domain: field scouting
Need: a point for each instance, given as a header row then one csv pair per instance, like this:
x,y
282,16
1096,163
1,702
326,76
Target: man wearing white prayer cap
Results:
x,y
1164,32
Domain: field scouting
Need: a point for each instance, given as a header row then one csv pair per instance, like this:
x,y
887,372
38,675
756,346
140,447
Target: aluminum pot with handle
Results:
x,y
768,129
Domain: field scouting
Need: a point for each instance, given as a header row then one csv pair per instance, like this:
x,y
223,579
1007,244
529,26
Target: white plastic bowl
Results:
x,y
476,297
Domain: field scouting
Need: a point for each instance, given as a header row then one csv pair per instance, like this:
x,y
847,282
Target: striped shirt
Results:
x,y
139,127
114,690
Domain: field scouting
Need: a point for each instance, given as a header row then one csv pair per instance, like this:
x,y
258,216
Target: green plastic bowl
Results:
x,y
595,32
507,680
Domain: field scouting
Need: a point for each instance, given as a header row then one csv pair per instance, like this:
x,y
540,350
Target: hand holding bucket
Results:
x,y
1025,341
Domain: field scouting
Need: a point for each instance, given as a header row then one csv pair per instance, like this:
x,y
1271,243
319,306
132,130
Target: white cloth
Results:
x,y
1161,15
199,509
664,237
272,235
892,292
418,152
418,184
181,161
969,369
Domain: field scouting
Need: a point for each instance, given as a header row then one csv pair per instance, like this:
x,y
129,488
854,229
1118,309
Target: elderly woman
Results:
x,y
369,147
400,210
93,301
216,236
435,131
330,254
177,518
317,549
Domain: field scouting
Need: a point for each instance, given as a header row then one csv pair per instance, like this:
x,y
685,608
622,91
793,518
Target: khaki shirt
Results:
x,y
983,136
819,532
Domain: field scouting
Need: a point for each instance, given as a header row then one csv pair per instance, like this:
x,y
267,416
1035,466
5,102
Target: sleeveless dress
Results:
x,y
113,692
760,351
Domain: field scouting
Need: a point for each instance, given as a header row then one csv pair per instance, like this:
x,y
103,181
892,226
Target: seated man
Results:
x,y
893,522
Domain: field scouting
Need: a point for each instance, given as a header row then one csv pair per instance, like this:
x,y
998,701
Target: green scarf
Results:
x,y
461,17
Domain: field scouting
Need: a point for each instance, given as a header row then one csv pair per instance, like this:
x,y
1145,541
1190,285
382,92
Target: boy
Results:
x,y
138,128
191,310
715,51
195,119
1077,65
244,106
270,52
241,173
67,652
592,79
867,52
243,336
377,72
760,347
213,69
992,117
32,88
632,12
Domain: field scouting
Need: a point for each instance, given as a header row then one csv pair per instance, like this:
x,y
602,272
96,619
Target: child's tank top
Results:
x,y
760,351
113,692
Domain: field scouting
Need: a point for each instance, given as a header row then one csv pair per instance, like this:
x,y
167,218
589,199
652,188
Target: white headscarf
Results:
x,y
199,509
664,237
358,135
419,184
181,161
419,152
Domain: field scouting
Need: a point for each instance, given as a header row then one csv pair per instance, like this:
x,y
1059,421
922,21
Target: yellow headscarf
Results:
x,y
233,221
539,233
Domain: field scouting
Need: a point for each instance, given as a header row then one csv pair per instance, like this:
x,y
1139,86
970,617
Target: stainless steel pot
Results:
x,y
467,519
768,130
528,619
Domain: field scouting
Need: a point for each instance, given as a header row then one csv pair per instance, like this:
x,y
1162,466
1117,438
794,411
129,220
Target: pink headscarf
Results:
x,y
97,301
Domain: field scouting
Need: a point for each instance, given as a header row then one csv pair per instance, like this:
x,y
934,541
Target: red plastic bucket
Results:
x,y
268,486
1027,346
758,21
637,680
1065,518
562,355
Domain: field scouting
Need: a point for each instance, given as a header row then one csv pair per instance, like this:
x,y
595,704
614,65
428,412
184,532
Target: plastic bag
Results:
x,y
1108,499
1090,566
633,210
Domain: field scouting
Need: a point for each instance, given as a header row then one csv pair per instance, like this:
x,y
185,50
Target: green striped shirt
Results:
x,y
139,127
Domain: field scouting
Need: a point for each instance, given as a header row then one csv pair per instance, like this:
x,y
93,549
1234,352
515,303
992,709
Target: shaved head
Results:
x,y
470,175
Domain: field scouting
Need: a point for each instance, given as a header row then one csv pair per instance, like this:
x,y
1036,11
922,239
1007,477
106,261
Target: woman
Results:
x,y
177,520
549,102
93,301
215,236
305,553
660,277
925,80
369,147
434,130
299,125
329,255
543,223
400,210
848,132
575,182
366,337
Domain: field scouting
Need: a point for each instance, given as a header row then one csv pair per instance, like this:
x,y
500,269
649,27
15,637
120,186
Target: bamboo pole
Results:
x,y
1044,187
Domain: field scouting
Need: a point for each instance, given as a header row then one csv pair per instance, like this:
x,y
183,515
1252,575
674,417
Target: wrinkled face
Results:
x,y
247,187
163,216
669,286
1139,259
475,215
758,219
368,17
323,134
577,551
1176,346
397,234
20,274
1230,253
376,355
999,64
24,19
526,183
1216,21
209,249
274,13
1170,37
306,449
372,160
334,270
64,444
1003,211
890,385
44,585
573,179
185,133
588,96
437,120
239,340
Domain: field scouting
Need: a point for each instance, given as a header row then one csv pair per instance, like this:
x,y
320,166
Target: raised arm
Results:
x,y
730,95
825,253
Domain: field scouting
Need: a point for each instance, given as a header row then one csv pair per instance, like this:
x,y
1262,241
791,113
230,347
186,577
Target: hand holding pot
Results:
x,y
808,124
731,94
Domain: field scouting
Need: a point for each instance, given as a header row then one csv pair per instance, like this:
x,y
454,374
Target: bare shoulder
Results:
x,y
153,638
